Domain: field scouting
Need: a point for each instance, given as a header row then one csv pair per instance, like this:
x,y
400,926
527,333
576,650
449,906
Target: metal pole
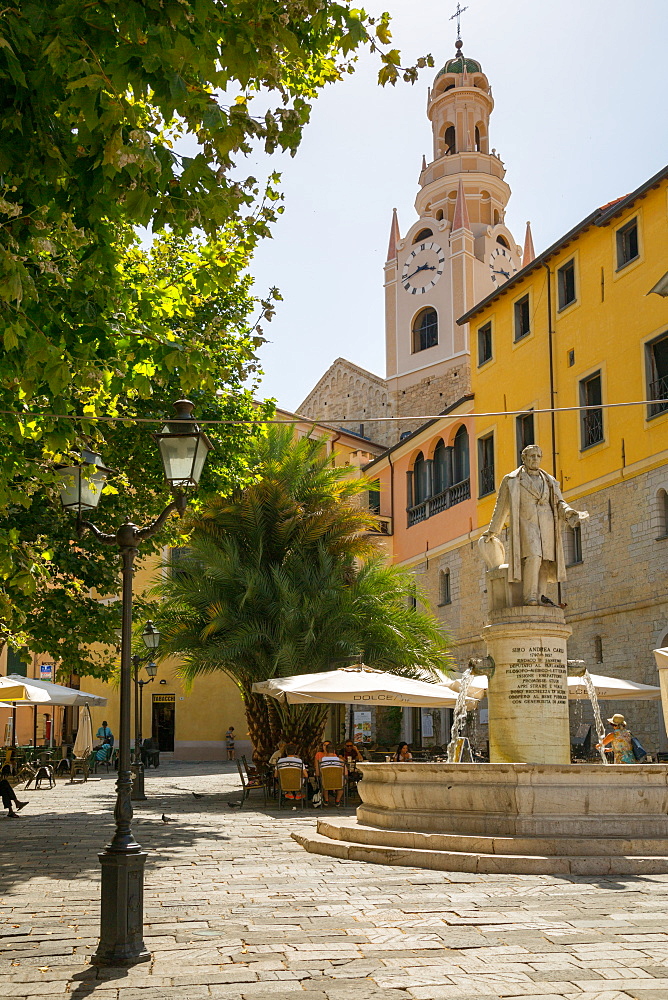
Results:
x,y
122,918
138,793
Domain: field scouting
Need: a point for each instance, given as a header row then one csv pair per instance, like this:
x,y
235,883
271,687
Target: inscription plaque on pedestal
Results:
x,y
528,692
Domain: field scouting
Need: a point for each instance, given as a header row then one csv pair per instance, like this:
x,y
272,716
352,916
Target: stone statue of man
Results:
x,y
531,502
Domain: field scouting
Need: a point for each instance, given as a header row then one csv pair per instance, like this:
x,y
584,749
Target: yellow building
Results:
x,y
190,725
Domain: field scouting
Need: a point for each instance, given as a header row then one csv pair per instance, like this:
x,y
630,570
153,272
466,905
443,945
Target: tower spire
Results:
x,y
395,236
529,252
461,217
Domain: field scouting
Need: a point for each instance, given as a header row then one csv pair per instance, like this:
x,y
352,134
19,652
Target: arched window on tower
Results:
x,y
478,147
460,456
503,241
425,330
424,234
442,468
450,140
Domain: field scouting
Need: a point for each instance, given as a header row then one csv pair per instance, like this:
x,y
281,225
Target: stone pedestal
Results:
x,y
528,690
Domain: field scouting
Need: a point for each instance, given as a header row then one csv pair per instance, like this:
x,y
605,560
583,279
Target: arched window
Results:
x,y
424,234
442,467
460,456
439,215
425,330
496,217
598,649
503,241
420,480
450,140
444,595
477,139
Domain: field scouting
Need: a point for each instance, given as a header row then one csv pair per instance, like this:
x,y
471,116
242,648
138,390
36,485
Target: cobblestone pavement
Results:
x,y
234,908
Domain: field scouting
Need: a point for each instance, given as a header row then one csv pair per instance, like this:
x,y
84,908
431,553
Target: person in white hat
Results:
x,y
620,738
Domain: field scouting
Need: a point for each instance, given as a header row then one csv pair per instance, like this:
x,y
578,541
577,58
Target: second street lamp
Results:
x,y
183,448
151,638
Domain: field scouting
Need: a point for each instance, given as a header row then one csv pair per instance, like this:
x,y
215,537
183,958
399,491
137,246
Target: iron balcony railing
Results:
x,y
441,501
486,480
658,390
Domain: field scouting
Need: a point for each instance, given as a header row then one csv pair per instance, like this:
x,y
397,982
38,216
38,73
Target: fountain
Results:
x,y
529,811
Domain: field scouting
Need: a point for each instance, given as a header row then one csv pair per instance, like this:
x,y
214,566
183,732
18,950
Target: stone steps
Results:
x,y
413,853
349,829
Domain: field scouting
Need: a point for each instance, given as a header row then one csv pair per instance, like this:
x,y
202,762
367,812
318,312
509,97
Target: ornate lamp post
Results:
x,y
151,638
183,448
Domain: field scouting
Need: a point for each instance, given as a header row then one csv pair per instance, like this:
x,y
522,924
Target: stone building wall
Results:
x,y
618,594
429,395
347,392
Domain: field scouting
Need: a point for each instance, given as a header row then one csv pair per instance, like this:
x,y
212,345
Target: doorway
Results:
x,y
162,730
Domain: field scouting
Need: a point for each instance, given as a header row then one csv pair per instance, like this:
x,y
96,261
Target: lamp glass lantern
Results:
x,y
81,485
183,448
151,636
151,669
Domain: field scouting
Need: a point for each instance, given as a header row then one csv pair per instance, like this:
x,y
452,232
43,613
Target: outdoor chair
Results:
x,y
249,785
150,753
81,766
291,781
332,779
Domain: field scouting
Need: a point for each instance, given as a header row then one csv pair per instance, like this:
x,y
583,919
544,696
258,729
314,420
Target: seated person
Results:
x,y
403,753
277,754
331,759
291,760
326,750
103,753
349,750
9,800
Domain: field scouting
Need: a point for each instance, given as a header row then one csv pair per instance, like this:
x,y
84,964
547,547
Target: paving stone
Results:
x,y
235,910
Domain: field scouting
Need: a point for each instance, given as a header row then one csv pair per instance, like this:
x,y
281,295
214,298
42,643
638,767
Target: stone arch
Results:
x,y
659,513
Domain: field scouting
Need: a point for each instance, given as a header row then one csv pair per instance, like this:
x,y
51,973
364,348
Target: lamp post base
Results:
x,y
122,918
138,794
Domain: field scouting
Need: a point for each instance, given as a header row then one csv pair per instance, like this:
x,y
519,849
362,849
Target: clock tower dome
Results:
x,y
455,253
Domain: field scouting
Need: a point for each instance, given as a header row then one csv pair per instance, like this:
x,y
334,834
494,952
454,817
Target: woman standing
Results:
x,y
620,738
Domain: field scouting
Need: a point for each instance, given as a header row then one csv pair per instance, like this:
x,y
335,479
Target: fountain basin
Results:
x,y
516,818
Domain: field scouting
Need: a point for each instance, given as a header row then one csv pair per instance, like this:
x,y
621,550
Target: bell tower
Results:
x,y
455,253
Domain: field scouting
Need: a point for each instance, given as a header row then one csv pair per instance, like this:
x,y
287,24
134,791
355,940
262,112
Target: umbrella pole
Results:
x,y
13,724
34,725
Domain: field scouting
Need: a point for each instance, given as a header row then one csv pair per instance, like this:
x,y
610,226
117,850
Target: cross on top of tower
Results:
x,y
458,14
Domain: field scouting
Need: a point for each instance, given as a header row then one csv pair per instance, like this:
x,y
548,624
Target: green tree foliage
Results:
x,y
283,579
95,98
51,604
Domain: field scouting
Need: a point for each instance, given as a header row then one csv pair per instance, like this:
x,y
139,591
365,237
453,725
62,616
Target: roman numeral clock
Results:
x,y
422,269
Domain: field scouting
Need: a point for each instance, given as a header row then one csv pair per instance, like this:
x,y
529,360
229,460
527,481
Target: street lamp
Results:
x,y
183,448
151,638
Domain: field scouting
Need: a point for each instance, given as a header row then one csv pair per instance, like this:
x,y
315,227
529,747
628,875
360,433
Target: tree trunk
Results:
x,y
263,730
271,724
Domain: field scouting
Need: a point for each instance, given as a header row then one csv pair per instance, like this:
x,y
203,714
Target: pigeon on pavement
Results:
x,y
167,819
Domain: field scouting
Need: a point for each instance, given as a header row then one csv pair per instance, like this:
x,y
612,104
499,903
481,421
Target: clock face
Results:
x,y
422,268
501,265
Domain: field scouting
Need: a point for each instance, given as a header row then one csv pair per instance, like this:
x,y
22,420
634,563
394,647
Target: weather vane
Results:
x,y
457,14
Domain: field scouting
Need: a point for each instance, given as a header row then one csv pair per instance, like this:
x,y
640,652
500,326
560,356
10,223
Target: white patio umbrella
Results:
x,y
357,685
84,741
45,692
607,688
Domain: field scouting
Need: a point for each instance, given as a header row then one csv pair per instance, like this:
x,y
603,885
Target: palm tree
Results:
x,y
283,578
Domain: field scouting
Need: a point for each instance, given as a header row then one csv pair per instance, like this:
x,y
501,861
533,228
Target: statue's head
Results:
x,y
531,456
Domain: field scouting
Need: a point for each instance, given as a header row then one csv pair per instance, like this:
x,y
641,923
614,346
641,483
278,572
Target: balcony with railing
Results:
x,y
486,476
383,525
454,494
658,390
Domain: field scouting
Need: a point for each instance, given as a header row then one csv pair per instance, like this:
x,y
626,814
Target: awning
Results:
x,y
46,693
357,685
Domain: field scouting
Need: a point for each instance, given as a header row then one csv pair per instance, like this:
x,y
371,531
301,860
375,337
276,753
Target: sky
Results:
x,y
579,119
